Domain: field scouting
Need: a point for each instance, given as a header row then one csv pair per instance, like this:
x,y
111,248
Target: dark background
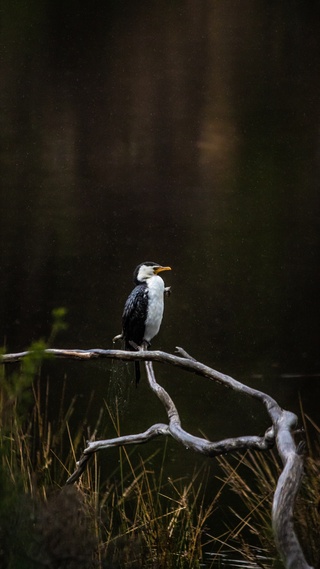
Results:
x,y
186,133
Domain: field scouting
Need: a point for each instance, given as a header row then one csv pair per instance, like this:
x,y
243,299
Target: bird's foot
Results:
x,y
144,346
134,345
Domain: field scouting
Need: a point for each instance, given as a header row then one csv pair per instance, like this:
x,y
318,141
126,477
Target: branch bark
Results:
x,y
280,432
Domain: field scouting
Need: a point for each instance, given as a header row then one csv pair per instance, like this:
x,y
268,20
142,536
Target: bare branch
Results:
x,y
94,446
281,431
187,363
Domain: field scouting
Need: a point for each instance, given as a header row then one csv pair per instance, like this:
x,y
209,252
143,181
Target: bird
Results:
x,y
143,309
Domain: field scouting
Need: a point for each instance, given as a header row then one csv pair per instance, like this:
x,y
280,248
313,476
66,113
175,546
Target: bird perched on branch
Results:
x,y
143,310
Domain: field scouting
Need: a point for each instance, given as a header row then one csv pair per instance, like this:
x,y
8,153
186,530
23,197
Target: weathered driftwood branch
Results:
x,y
281,432
94,446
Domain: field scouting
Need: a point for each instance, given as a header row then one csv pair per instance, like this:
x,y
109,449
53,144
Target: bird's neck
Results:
x,y
155,283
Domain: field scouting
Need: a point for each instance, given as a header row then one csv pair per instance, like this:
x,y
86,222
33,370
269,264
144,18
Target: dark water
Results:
x,y
186,133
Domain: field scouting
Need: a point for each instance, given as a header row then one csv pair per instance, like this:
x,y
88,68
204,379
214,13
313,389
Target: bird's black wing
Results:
x,y
134,316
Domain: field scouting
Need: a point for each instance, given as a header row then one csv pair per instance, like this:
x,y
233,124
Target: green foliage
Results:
x,y
16,387
40,525
59,323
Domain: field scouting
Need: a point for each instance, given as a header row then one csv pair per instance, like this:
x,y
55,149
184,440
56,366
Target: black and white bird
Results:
x,y
143,310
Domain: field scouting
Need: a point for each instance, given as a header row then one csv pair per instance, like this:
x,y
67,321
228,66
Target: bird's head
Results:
x,y
146,270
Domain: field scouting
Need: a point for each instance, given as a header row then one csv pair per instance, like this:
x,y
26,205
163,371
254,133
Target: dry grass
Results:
x,y
253,477
137,517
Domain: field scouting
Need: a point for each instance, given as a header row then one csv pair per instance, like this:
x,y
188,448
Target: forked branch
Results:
x,y
280,433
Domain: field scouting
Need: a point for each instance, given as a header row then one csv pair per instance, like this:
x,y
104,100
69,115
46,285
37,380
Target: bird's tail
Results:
x,y
129,346
137,372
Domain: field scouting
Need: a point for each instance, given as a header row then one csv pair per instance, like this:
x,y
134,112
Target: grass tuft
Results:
x,y
136,518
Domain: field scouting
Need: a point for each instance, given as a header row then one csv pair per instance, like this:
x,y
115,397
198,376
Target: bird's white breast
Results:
x,y
155,307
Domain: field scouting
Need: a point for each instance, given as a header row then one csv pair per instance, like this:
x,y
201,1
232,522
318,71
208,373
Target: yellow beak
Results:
x,y
159,269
